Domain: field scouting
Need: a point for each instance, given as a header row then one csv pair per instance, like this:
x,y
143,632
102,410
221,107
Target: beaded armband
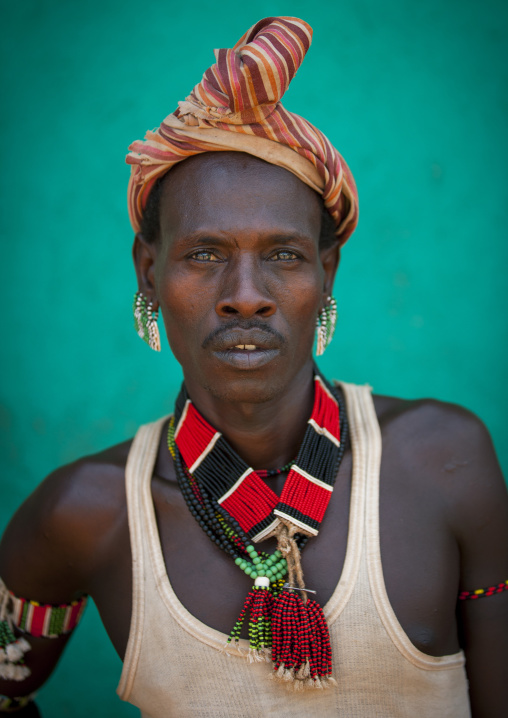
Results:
x,y
45,621
34,619
484,592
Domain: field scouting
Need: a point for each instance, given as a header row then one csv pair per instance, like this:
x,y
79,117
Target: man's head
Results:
x,y
239,252
237,262
236,107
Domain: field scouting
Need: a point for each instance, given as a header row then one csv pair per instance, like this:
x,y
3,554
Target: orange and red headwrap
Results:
x,y
236,106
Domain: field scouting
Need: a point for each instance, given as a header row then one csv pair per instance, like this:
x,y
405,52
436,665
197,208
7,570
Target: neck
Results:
x,y
266,435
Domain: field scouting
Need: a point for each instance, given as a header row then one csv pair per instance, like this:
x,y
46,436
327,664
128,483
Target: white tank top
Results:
x,y
176,666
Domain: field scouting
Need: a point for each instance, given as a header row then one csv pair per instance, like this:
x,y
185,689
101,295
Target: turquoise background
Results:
x,y
414,96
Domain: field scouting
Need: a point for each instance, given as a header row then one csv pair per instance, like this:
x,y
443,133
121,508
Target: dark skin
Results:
x,y
231,266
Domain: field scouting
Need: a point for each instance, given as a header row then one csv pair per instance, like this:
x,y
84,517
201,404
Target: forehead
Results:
x,y
235,192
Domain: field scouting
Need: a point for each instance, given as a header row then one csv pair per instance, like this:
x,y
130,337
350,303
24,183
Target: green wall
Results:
x,y
414,96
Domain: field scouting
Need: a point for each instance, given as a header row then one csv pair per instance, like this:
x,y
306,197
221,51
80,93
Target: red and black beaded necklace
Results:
x,y
235,507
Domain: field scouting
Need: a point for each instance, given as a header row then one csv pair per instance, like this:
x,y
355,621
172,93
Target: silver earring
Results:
x,y
145,321
325,326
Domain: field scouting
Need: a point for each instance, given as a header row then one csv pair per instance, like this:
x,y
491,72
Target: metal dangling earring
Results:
x,y
145,321
325,326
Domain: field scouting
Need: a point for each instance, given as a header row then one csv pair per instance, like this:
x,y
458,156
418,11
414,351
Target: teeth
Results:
x,y
248,347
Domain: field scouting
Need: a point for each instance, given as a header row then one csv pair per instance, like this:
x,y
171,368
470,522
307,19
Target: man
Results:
x,y
238,251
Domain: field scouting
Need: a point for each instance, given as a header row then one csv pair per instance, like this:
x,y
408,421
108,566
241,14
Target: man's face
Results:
x,y
238,275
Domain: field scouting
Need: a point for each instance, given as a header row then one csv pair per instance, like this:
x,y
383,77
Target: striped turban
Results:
x,y
236,106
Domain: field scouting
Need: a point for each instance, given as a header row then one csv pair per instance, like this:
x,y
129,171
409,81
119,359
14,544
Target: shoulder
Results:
x,y
70,522
90,483
431,425
82,491
448,452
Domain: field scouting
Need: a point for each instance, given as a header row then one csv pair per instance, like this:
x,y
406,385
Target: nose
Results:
x,y
243,291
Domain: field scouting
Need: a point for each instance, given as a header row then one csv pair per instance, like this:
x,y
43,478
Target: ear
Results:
x,y
144,255
330,258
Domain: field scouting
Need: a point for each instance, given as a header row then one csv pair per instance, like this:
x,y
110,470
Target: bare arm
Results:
x,y
478,507
52,549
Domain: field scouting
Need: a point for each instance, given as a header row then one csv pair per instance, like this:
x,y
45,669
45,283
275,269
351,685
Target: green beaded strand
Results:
x,y
271,566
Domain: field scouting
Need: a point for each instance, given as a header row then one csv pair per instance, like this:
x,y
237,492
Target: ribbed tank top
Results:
x,y
176,666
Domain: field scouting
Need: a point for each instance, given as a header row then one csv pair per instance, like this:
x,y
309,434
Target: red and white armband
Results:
x,y
34,619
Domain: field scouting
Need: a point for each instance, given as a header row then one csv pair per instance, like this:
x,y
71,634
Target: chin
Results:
x,y
256,387
246,390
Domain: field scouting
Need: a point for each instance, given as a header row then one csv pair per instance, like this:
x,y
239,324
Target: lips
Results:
x,y
246,359
244,340
245,349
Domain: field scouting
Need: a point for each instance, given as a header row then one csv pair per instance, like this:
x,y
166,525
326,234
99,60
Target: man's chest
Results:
x,y
403,522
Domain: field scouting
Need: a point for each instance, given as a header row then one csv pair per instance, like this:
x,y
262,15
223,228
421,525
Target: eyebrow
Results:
x,y
276,238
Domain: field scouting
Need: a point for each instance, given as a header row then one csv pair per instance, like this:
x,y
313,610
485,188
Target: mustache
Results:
x,y
221,335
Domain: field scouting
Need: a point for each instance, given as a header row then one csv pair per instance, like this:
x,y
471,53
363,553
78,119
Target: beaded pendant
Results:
x,y
235,508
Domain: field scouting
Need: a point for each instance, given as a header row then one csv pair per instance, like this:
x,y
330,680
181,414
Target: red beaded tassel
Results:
x,y
301,649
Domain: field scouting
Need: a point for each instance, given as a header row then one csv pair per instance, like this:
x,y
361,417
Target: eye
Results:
x,y
284,255
204,255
